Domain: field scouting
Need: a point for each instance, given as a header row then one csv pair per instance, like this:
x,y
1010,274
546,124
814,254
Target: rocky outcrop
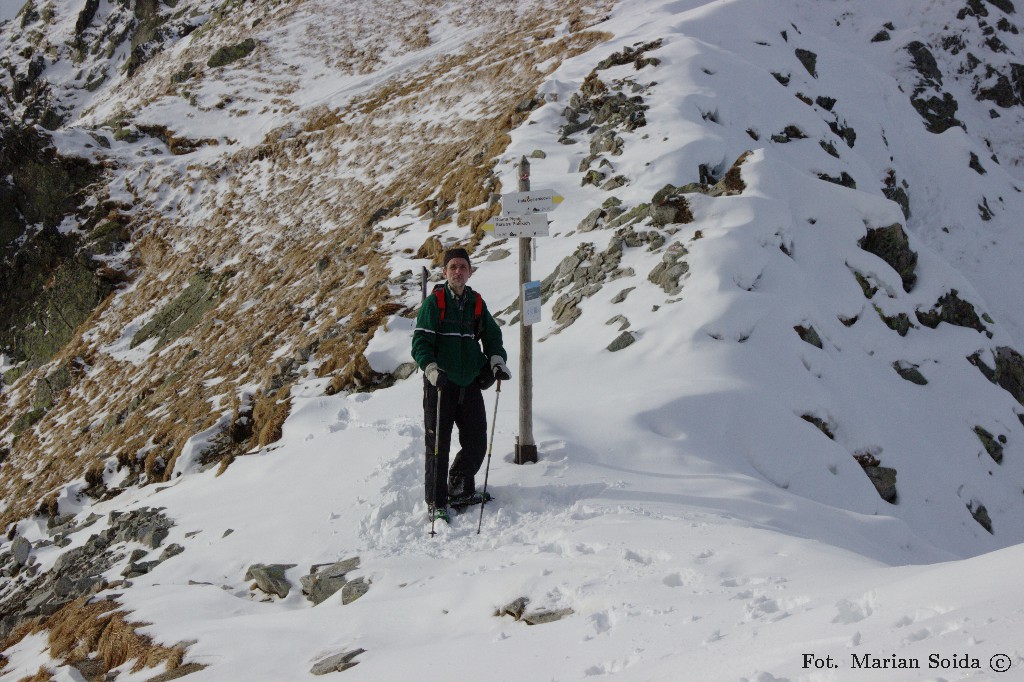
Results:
x,y
669,205
270,578
883,478
980,514
809,335
337,662
892,245
937,107
184,312
809,60
993,444
952,309
1008,372
897,190
517,609
603,111
231,53
669,273
622,341
910,372
321,583
326,580
51,282
78,572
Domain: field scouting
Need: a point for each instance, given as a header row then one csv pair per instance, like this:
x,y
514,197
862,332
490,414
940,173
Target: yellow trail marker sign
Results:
x,y
533,201
528,225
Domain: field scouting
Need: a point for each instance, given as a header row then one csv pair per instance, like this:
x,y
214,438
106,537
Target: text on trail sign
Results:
x,y
531,302
534,201
533,225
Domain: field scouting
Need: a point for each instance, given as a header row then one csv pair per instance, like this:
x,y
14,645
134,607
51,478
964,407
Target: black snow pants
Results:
x,y
461,406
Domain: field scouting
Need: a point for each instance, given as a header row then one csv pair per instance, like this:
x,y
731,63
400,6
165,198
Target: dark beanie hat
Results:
x,y
456,253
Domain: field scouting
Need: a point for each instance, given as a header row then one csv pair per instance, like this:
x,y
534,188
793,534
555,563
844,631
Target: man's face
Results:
x,y
458,272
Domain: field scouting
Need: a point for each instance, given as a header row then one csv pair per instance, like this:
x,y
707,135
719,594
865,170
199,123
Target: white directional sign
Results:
x,y
535,201
531,302
531,225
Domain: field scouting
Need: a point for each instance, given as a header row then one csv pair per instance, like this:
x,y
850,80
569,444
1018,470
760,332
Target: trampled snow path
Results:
x,y
663,580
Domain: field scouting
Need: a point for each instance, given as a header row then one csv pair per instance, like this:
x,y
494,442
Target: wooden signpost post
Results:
x,y
524,217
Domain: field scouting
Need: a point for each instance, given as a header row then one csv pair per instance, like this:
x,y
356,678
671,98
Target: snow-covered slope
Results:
x,y
700,508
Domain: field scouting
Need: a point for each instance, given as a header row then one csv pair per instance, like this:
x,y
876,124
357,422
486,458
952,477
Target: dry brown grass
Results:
x,y
290,228
42,675
269,414
82,629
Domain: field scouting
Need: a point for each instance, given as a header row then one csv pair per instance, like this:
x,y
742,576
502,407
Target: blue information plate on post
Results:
x,y
531,302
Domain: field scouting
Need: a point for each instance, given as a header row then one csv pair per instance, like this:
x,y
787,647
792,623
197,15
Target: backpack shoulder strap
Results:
x,y
439,295
478,316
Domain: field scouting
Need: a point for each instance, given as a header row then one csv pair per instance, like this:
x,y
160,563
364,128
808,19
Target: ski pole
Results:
x,y
490,448
437,441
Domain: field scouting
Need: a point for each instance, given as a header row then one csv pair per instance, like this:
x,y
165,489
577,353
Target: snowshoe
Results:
x,y
460,503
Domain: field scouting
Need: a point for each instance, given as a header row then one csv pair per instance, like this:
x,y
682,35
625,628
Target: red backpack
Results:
x,y
478,309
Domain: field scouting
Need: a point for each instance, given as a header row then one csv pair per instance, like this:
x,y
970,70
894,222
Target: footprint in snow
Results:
x,y
341,420
854,612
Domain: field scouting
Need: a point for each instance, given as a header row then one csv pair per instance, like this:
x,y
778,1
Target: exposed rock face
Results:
x,y
231,53
993,445
910,372
892,245
937,108
952,309
980,514
883,478
897,190
50,282
809,60
1008,372
669,205
669,273
181,314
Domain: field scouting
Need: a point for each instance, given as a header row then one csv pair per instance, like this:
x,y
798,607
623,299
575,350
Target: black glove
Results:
x,y
485,379
499,369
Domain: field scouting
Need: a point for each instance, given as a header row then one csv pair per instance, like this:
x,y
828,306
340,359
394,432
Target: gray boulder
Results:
x,y
337,662
670,271
324,581
20,548
623,340
542,616
354,589
270,578
884,480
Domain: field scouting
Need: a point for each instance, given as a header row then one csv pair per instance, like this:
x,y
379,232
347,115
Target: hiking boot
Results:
x,y
460,486
439,514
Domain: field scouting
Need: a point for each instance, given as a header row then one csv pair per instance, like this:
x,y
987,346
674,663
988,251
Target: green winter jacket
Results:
x,y
452,344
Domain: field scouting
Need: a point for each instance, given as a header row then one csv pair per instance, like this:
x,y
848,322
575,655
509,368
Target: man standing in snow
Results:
x,y
452,325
